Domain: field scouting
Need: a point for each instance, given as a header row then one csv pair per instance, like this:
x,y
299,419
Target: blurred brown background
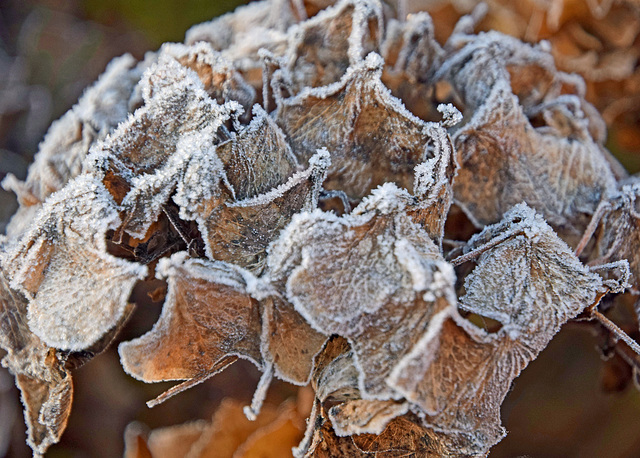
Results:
x,y
49,52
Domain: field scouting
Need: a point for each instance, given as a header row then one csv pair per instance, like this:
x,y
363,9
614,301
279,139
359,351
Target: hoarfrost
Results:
x,y
372,137
68,140
558,168
62,267
221,80
143,160
345,277
191,338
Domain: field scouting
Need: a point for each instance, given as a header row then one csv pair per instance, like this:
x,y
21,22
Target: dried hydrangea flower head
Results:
x,y
289,173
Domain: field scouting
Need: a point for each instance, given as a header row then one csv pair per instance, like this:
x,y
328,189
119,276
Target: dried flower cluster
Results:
x,y
290,172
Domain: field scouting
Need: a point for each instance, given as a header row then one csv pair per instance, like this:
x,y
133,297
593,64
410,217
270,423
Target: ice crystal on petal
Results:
x,y
192,339
67,142
558,168
367,276
371,136
62,266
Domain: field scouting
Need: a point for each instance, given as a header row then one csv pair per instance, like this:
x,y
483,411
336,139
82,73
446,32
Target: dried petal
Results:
x,y
373,277
60,156
619,230
192,338
403,437
505,160
532,283
221,80
364,416
62,266
288,341
257,158
242,34
460,377
240,231
143,160
373,139
321,49
44,382
412,55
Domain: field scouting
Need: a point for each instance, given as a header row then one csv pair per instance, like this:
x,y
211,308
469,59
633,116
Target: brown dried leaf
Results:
x,y
321,49
40,374
62,266
192,339
240,231
373,139
274,432
230,428
532,283
373,277
276,439
557,168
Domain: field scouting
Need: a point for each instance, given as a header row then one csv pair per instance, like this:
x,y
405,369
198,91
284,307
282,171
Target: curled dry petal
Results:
x,y
372,138
557,168
321,49
63,268
618,235
288,341
43,380
370,276
412,56
143,160
64,148
240,231
532,283
191,337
